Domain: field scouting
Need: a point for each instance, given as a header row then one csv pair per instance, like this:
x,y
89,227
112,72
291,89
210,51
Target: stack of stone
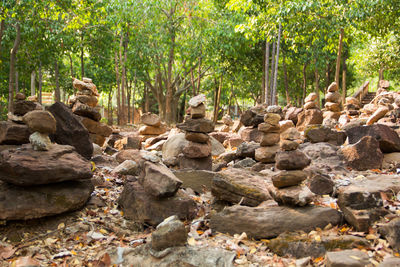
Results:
x,y
287,189
84,104
309,102
311,113
197,153
270,139
352,106
228,122
332,102
152,126
42,179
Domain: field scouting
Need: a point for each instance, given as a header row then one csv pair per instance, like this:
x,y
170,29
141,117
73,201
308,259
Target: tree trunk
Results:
x,y
133,98
217,99
199,78
40,83
316,74
263,76
274,95
118,89
286,81
71,66
327,78
169,94
304,83
381,70
82,59
57,92
271,84
16,82
13,59
2,27
339,54
344,86
128,100
33,75
266,83
146,100
123,47
109,109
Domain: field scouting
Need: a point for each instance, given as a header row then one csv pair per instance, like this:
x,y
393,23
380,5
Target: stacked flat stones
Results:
x,y
84,104
42,179
352,106
287,188
198,151
332,102
228,122
14,131
309,102
311,113
270,139
152,125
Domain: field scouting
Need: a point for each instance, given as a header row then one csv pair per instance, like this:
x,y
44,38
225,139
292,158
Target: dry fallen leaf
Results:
x,y
25,261
6,252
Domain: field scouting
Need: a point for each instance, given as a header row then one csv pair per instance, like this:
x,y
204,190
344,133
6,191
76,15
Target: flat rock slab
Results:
x,y
22,203
197,125
143,256
239,185
347,258
25,166
141,207
198,180
269,222
70,131
13,134
389,140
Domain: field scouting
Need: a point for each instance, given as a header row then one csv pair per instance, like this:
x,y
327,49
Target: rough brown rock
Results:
x,y
170,233
86,111
26,166
270,139
363,155
152,130
378,114
195,164
266,154
296,195
91,100
150,119
307,117
268,128
291,160
96,127
198,112
333,97
197,125
21,107
289,178
197,150
288,145
249,134
40,121
13,134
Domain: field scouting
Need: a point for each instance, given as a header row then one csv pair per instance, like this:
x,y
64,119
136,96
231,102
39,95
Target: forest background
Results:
x,y
154,55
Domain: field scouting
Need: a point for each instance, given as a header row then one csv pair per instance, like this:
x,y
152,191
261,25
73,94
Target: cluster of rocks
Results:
x,y
352,106
228,122
84,104
311,114
152,126
287,189
197,152
41,178
155,194
270,139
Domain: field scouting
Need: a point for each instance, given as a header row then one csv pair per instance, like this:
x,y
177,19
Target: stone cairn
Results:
x,y
332,102
152,126
270,139
197,153
352,106
42,179
287,188
311,113
84,104
228,122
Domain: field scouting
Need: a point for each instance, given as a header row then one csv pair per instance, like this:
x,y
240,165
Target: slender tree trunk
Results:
x,y
266,83
33,78
199,74
327,78
286,81
40,82
316,74
146,100
339,54
13,59
128,100
344,85
57,92
274,97
263,92
2,27
217,99
71,67
271,84
304,83
381,70
16,82
82,59
109,109
123,47
118,89
169,94
133,98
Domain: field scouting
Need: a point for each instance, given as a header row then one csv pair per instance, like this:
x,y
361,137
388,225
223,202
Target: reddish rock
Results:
x,y
249,134
13,134
197,150
152,130
86,111
291,160
150,119
363,155
40,121
307,117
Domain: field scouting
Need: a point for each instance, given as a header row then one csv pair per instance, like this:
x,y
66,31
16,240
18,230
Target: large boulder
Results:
x,y
389,140
40,121
13,134
141,207
363,155
70,130
30,202
269,222
25,166
239,185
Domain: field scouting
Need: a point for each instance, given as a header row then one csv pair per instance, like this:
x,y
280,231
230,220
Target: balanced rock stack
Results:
x,y
152,126
287,189
332,102
84,104
311,113
41,123
197,153
270,139
228,122
352,106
